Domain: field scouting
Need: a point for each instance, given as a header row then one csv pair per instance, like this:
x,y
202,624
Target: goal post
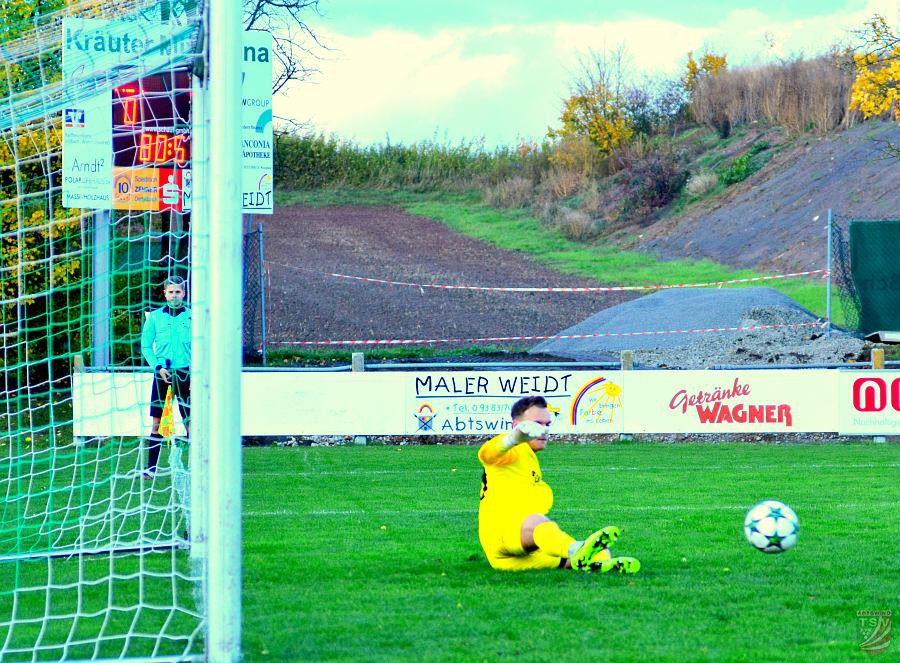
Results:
x,y
120,170
224,331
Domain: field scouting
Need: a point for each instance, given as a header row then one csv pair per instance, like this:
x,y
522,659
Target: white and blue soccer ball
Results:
x,y
772,527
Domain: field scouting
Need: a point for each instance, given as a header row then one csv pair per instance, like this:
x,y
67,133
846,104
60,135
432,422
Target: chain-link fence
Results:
x,y
866,272
254,332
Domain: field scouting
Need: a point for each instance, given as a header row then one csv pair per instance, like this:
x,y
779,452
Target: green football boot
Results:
x,y
623,565
599,540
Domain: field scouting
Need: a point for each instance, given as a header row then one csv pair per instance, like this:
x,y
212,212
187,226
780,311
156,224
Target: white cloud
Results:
x,y
506,81
744,33
369,78
652,45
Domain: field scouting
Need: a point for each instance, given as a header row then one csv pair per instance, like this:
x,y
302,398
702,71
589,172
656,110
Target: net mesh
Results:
x,y
95,555
856,269
254,328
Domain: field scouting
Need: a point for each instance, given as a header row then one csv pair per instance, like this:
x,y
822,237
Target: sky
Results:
x,y
497,71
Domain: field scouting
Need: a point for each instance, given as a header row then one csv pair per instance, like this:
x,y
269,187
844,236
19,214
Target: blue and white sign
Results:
x,y
257,193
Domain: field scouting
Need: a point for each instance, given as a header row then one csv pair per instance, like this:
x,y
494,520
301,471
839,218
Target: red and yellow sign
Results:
x,y
152,189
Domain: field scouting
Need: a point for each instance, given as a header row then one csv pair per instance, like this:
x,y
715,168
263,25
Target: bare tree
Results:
x,y
294,42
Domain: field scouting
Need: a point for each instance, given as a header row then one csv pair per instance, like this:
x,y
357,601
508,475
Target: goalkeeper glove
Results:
x,y
524,432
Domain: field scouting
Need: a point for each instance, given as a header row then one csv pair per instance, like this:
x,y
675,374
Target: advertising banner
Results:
x,y
446,403
256,124
869,402
152,189
479,403
731,401
87,153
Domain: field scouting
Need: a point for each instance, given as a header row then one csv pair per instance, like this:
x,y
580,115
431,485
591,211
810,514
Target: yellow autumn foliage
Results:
x,y
710,64
876,89
597,115
40,241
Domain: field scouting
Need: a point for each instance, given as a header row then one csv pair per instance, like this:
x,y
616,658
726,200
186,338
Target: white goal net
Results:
x,y
104,262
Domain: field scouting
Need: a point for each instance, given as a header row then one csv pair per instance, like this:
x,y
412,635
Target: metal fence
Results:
x,y
841,270
254,327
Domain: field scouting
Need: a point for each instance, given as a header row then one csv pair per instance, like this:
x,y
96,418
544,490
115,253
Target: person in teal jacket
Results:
x,y
166,347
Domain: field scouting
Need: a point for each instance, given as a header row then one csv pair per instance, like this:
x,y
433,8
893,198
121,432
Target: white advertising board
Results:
x,y
869,402
256,124
288,403
323,404
731,401
478,402
114,404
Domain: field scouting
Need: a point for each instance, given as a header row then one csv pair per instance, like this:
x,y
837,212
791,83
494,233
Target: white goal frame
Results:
x,y
217,315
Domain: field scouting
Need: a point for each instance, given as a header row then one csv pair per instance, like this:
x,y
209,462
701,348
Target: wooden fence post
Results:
x,y
358,365
627,361
878,365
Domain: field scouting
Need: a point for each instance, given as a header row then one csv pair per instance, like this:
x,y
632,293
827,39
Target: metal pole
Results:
x,y
828,281
101,315
262,294
224,331
200,286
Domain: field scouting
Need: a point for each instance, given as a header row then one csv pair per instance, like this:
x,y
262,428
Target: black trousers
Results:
x,y
181,389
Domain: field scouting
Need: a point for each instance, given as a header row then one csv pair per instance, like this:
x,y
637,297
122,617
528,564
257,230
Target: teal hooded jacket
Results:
x,y
167,335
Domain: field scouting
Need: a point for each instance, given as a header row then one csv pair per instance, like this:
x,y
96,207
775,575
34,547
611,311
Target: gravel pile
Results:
x,y
672,310
799,345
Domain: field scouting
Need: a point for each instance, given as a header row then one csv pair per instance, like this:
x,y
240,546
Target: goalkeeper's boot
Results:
x,y
602,563
595,543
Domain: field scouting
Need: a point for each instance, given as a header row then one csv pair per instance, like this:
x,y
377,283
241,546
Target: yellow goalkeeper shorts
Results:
x,y
502,544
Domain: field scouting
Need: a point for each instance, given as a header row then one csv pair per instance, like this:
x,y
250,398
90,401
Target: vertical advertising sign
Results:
x,y
87,132
256,124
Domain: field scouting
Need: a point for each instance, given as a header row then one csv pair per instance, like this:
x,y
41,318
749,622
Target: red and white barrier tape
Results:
x,y
614,288
818,323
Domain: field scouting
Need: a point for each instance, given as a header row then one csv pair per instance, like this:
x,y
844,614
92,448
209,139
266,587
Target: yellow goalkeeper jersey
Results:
x,y
511,483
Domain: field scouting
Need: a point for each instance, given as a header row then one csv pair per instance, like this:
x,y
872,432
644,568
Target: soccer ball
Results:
x,y
771,527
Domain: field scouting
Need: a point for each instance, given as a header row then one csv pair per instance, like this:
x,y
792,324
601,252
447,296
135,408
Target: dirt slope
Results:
x,y
302,244
769,221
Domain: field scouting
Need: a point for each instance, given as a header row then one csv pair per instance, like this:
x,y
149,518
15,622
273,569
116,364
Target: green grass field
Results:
x,y
134,603
371,553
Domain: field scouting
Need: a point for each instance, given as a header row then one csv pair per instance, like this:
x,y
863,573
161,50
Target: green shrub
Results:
x,y
758,147
745,165
739,170
313,161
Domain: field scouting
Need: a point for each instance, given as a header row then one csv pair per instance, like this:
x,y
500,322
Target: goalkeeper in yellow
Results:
x,y
512,517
